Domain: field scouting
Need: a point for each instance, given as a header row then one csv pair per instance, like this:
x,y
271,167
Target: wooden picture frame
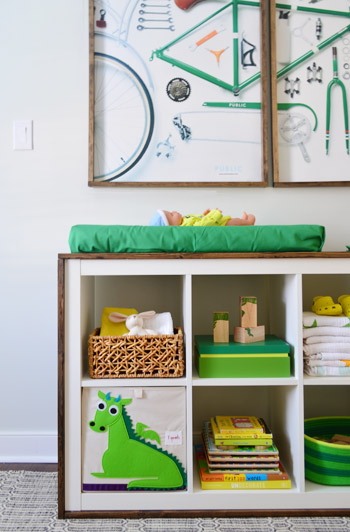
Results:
x,y
180,105
308,114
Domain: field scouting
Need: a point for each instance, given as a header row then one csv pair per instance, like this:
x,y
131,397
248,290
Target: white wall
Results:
x,y
44,66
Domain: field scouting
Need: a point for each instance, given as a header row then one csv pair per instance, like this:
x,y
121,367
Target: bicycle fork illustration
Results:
x,y
336,81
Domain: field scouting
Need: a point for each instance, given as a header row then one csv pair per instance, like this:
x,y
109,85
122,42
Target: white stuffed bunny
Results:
x,y
134,322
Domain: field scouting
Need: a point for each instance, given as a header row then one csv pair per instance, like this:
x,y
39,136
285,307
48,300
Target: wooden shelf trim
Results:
x,y
168,256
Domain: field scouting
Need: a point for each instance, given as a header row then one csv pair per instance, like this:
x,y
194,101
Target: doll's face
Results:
x,y
173,217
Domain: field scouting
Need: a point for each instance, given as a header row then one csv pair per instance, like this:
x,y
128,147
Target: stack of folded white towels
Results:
x,y
326,345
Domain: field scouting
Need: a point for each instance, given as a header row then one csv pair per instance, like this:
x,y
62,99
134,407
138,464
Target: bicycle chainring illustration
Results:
x,y
295,130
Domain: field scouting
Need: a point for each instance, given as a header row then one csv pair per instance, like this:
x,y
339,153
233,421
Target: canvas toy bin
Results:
x,y
123,357
327,463
142,446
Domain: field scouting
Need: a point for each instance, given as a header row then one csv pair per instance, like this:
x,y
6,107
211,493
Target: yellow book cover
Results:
x,y
220,436
239,424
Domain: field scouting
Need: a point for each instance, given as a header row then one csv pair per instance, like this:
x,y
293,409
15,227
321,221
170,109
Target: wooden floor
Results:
x,y
27,467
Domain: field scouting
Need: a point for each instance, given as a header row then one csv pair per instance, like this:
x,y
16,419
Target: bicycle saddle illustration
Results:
x,y
186,4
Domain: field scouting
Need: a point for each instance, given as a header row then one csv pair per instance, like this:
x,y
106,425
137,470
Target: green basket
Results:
x,y
327,463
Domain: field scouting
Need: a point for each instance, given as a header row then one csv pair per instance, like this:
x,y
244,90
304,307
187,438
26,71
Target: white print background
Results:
x,y
336,165
226,143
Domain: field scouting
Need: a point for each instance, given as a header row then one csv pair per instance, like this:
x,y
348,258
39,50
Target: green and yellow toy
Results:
x,y
325,306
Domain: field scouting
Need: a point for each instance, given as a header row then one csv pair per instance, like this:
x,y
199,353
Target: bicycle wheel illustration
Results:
x,y
123,118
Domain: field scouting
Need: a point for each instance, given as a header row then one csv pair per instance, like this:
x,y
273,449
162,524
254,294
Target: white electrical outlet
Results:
x,y
23,134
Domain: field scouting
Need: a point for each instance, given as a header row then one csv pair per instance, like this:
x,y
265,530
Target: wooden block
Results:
x,y
248,311
248,335
220,327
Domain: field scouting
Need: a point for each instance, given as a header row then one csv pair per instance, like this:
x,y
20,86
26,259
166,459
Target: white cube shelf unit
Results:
x,y
191,287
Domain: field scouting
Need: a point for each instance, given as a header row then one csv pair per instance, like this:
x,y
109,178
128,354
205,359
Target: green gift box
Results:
x,y
268,358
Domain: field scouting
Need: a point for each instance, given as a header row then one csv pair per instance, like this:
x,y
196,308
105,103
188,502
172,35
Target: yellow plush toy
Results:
x,y
110,328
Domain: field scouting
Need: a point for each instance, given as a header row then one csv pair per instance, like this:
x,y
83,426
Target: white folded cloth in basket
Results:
x,y
162,323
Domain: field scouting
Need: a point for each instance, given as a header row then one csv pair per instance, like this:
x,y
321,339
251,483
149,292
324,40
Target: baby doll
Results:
x,y
208,218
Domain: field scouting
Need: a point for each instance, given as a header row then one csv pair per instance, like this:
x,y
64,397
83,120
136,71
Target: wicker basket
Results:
x,y
128,357
327,463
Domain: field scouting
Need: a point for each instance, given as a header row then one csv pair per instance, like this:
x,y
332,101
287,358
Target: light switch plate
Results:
x,y
23,134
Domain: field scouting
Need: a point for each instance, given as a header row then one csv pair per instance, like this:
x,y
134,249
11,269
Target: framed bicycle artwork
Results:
x,y
178,93
310,69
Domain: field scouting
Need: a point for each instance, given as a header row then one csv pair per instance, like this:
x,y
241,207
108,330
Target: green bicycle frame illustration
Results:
x,y
236,87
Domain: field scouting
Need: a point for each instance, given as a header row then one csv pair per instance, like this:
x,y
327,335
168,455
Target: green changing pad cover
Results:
x,y
174,239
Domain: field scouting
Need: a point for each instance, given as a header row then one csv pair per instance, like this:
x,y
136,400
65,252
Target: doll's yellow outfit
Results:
x,y
213,217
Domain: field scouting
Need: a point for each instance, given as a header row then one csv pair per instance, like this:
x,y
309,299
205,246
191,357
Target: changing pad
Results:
x,y
174,239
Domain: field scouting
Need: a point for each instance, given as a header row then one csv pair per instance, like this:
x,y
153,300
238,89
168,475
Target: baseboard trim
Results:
x,y
28,448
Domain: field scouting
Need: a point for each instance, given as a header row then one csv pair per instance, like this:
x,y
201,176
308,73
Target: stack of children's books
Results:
x,y
238,453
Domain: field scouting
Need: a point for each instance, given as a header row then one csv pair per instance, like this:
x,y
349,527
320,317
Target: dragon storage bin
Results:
x,y
112,357
134,438
327,463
